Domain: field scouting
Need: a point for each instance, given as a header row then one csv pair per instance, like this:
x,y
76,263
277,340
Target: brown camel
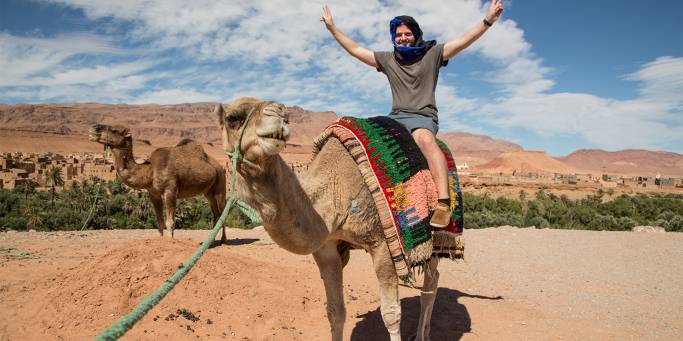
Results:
x,y
171,173
320,211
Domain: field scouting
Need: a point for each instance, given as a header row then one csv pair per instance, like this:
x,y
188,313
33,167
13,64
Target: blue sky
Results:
x,y
553,76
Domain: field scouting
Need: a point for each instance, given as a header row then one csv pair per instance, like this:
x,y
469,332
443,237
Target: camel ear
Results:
x,y
126,133
220,114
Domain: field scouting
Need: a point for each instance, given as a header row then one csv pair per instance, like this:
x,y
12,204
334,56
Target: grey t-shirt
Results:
x,y
413,85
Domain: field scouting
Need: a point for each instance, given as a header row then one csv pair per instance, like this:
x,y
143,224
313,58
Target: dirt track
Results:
x,y
516,284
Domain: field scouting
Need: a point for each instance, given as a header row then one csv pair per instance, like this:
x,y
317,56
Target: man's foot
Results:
x,y
441,217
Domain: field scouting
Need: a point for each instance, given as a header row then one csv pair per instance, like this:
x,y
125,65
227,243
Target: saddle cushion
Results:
x,y
397,175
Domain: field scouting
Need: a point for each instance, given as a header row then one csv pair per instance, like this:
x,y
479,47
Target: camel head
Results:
x,y
111,136
265,134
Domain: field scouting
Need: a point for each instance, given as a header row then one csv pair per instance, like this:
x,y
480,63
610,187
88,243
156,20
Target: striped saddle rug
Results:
x,y
398,177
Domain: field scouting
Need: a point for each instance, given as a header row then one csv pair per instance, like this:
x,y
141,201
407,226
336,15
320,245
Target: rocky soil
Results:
x,y
515,284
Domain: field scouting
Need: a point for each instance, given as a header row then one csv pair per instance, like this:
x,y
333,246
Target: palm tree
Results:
x,y
33,216
54,178
27,187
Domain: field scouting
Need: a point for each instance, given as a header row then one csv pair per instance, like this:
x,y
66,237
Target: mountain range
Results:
x,y
165,125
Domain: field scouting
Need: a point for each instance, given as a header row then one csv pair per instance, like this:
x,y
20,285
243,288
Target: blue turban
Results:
x,y
409,54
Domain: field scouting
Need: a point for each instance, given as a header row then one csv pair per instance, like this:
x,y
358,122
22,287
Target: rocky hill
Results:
x,y
476,149
162,125
631,161
526,162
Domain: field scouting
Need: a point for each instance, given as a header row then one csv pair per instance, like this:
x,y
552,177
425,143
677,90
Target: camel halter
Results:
x,y
236,155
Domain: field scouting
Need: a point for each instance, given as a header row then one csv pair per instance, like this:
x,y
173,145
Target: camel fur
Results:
x,y
311,212
171,173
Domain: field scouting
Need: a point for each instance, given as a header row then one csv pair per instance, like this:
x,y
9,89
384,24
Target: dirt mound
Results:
x,y
526,162
99,291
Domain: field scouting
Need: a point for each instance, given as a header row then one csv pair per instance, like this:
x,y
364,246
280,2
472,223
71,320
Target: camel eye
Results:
x,y
234,121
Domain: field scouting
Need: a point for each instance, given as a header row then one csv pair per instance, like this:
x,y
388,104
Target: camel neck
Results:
x,y
132,174
288,214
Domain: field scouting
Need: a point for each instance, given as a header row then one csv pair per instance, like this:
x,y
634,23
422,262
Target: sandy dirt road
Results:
x,y
516,284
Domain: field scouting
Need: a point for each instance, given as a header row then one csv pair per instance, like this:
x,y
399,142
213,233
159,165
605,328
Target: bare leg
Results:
x,y
330,266
388,291
431,282
435,159
159,211
170,197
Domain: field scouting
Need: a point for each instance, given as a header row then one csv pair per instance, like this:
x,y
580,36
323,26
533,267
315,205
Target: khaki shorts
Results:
x,y
414,121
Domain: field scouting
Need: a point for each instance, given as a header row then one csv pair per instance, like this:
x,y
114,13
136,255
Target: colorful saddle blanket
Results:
x,y
398,177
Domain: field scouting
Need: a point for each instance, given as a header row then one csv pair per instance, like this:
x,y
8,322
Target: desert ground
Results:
x,y
515,284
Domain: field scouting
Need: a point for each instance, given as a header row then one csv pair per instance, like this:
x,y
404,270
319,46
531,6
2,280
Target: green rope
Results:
x,y
19,255
249,212
127,322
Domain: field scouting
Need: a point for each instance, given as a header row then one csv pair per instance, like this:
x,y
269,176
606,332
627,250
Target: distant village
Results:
x,y
18,168
603,180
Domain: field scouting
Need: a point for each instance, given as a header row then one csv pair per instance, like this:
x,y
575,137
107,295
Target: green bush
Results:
x,y
548,210
113,204
675,224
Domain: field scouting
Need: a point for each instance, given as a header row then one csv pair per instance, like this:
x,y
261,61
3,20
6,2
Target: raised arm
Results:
x,y
364,55
453,47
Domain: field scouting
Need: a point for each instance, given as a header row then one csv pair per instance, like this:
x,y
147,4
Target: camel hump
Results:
x,y
184,142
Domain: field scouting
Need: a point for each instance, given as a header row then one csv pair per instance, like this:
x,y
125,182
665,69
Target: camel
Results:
x,y
171,173
324,210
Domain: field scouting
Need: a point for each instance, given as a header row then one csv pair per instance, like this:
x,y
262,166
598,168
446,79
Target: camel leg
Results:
x,y
219,194
213,202
159,211
388,291
330,266
427,297
170,196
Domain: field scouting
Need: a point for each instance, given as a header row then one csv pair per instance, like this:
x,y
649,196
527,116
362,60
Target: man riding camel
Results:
x,y
412,69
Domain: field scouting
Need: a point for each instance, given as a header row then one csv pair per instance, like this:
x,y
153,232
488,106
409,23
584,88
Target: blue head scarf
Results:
x,y
408,54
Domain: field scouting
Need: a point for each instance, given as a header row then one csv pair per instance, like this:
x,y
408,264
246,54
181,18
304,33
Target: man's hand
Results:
x,y
494,12
364,55
327,17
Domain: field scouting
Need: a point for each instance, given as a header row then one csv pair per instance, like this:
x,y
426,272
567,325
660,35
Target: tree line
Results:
x,y
594,212
98,204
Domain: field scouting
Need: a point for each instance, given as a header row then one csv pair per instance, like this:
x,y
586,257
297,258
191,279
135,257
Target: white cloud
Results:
x,y
661,79
91,75
279,50
173,96
653,120
24,57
